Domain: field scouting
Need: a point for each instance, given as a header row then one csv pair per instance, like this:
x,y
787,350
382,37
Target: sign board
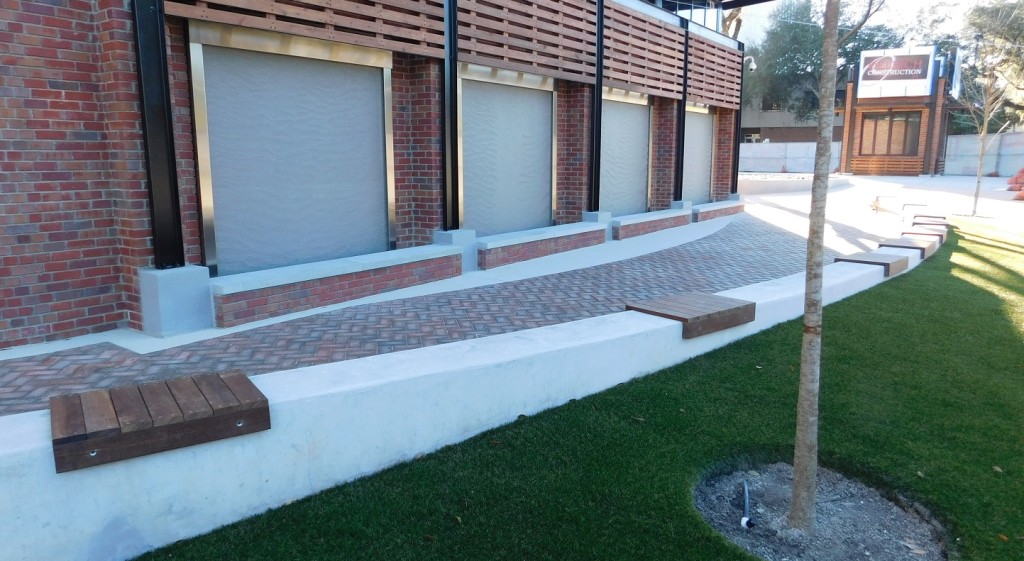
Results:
x,y
896,72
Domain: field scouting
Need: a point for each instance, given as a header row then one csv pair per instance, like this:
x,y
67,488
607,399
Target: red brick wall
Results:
x,y
73,200
725,144
419,160
663,135
573,109
710,214
254,305
848,114
936,130
118,79
649,226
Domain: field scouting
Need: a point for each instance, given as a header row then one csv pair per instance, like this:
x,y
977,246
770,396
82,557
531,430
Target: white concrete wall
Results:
x,y
336,422
779,157
1004,155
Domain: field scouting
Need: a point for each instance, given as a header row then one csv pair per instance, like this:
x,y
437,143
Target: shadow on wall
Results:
x,y
782,157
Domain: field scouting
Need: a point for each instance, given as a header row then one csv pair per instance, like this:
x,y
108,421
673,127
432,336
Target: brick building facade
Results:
x,y
77,221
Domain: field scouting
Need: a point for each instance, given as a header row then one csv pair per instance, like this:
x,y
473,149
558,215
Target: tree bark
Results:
x,y
981,166
805,455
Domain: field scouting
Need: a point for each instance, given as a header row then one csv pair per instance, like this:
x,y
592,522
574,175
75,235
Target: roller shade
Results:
x,y
506,151
625,157
297,159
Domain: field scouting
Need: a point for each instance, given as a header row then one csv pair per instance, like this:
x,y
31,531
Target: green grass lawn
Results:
x,y
922,394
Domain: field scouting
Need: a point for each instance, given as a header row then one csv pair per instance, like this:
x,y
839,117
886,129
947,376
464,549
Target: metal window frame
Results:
x,y
502,77
202,33
889,117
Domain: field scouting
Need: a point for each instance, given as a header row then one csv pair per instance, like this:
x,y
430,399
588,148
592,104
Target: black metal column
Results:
x,y
677,187
450,131
158,133
737,139
594,192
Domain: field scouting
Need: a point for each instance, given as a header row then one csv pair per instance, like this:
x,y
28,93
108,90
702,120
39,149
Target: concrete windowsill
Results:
x,y
649,216
716,206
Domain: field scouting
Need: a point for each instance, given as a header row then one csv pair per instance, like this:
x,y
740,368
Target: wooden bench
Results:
x,y
102,426
926,247
929,220
700,313
892,264
939,232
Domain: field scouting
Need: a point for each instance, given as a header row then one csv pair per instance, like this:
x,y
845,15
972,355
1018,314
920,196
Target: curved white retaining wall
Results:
x,y
336,422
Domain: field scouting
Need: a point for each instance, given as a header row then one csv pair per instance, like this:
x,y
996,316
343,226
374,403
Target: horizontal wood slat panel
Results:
x,y
545,37
538,36
887,165
404,26
714,74
642,53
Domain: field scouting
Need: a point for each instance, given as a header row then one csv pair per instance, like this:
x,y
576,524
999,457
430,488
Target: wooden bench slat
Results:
x,y
67,421
163,410
891,264
217,394
190,400
699,313
104,426
925,247
247,394
131,410
692,312
100,418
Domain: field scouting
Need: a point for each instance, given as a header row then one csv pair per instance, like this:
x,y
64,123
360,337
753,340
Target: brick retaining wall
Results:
x,y
254,305
504,255
625,231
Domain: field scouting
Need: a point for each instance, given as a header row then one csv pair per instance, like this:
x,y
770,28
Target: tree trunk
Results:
x,y
805,456
981,166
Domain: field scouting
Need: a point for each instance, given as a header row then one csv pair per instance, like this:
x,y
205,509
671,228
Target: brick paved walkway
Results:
x,y
746,251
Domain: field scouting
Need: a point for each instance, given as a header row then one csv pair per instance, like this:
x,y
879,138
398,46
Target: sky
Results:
x,y
756,18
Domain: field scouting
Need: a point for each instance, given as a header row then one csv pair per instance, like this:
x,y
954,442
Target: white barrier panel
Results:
x,y
783,157
1004,155
336,422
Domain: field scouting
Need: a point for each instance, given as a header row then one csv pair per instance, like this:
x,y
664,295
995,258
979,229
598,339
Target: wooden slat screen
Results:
x,y
642,54
714,73
547,37
887,165
404,26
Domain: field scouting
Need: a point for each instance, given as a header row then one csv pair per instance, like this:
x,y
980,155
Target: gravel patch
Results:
x,y
853,521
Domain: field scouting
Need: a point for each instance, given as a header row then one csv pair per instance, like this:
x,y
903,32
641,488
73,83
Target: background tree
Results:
x,y
993,80
805,450
733,22
789,58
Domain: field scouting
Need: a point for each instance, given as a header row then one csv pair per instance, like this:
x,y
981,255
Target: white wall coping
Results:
x,y
538,234
257,280
716,206
642,217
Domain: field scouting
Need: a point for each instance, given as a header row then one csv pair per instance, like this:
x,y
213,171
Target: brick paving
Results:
x,y
746,251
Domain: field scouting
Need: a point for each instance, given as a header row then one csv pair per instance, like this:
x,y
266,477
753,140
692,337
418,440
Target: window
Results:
x,y
890,134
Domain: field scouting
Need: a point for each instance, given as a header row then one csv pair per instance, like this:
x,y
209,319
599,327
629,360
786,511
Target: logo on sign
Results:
x,y
895,67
